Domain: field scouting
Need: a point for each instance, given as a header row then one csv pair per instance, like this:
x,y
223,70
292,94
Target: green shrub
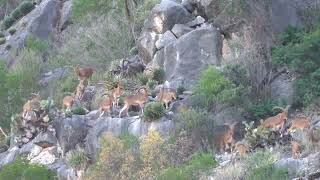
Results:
x,y
154,111
16,14
21,169
180,89
302,56
200,162
133,51
12,31
129,140
264,109
79,111
77,159
36,44
26,7
47,104
260,158
159,75
142,78
4,144
270,172
2,35
69,84
213,87
2,41
197,121
151,84
8,21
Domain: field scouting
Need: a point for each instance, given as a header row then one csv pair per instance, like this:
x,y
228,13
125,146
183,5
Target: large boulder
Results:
x,y
302,166
43,22
45,139
117,126
180,29
163,17
70,131
9,156
184,60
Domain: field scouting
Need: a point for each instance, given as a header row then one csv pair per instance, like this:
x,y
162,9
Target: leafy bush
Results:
x,y
77,159
128,140
8,21
142,78
2,35
256,136
260,158
269,171
301,55
133,51
69,84
47,104
26,7
180,89
151,84
117,161
4,144
159,75
79,111
213,87
37,45
154,111
264,109
12,31
21,169
2,41
16,14
200,162
195,121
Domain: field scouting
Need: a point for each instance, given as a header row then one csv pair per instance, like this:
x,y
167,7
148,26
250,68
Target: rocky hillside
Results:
x,y
98,89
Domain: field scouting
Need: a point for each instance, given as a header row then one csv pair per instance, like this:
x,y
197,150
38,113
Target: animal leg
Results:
x,y
124,108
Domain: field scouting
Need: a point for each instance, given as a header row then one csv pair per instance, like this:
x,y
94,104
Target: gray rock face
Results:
x,y
53,75
66,12
282,14
190,54
282,87
45,139
43,22
116,126
8,156
196,22
165,39
180,29
163,17
303,166
70,131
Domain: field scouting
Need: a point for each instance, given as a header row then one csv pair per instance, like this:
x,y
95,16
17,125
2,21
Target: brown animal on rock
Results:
x,y
83,73
166,96
132,68
106,105
31,105
296,149
300,123
223,137
139,99
241,149
67,102
80,90
277,121
117,92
